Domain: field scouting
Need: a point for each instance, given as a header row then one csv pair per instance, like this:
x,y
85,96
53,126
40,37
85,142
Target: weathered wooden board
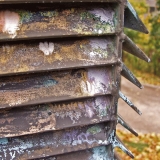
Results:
x,y
50,54
55,143
97,153
56,116
56,86
60,20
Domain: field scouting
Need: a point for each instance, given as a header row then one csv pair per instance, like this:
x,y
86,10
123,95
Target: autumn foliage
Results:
x,y
144,147
149,43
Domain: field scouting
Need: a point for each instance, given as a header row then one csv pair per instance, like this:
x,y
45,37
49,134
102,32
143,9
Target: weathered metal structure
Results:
x,y
61,63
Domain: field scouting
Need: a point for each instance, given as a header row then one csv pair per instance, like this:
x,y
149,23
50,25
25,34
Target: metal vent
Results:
x,y
60,74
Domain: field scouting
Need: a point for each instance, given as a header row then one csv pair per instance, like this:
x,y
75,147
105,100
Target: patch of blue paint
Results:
x,y
3,141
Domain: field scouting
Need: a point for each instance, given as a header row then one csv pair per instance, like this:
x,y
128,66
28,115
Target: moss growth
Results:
x,y
94,130
25,16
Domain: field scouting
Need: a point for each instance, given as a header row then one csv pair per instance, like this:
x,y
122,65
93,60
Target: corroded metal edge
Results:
x,y
121,121
55,143
130,47
129,75
125,99
116,142
132,20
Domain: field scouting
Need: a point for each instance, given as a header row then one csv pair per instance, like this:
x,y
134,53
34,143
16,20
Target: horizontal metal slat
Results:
x,y
56,86
102,152
52,1
41,21
35,56
56,116
55,143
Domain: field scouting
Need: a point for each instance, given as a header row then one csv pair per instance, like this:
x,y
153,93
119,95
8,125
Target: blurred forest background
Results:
x,y
147,145
149,12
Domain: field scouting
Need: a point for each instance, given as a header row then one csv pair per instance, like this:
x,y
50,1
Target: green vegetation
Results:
x,y
139,146
144,147
149,43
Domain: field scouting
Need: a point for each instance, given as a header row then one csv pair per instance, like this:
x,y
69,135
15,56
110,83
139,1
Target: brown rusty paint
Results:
x,y
56,116
97,153
34,56
55,86
46,21
57,142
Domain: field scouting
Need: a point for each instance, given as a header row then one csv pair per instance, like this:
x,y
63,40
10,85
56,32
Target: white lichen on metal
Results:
x,y
46,47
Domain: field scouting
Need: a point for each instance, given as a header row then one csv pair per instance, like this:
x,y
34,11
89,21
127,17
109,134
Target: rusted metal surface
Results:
x,y
36,56
56,116
55,143
28,21
125,125
55,86
60,76
129,75
97,153
132,21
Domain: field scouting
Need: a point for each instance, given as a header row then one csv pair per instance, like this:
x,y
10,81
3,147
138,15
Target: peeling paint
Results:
x,y
3,141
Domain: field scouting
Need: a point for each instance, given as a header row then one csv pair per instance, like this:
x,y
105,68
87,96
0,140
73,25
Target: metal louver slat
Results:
x,y
55,143
52,1
89,154
56,116
44,21
61,63
56,86
52,54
